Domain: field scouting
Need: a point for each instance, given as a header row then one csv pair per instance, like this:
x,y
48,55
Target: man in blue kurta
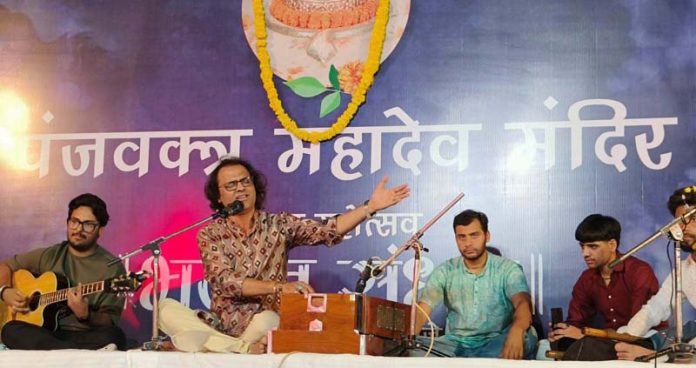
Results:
x,y
486,296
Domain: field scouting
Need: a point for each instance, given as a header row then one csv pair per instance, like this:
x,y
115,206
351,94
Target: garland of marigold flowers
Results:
x,y
371,67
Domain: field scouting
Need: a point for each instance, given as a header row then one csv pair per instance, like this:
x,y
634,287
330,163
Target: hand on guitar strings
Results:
x,y
14,299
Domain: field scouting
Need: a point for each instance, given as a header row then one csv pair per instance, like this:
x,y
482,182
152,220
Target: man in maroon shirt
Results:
x,y
610,296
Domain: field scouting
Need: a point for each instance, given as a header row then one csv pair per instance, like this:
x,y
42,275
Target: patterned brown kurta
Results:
x,y
229,257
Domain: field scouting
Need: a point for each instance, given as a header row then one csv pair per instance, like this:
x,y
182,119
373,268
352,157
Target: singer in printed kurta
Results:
x,y
230,257
245,257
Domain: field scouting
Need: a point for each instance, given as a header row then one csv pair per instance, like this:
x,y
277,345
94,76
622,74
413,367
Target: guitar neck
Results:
x,y
62,295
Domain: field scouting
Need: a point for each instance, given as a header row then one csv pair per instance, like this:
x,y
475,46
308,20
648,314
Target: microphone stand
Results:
x,y
413,243
679,350
154,247
662,231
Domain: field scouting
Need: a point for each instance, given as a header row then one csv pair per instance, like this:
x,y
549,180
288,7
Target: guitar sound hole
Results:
x,y
34,301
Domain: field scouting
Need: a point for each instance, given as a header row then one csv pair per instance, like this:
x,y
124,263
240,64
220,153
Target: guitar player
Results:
x,y
87,321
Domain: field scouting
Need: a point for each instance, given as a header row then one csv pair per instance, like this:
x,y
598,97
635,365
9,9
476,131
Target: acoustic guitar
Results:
x,y
48,304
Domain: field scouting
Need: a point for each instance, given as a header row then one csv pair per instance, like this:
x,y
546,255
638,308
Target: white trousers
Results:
x,y
190,334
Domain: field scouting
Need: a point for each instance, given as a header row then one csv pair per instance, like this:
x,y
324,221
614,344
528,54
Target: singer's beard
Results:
x,y
687,245
83,246
83,243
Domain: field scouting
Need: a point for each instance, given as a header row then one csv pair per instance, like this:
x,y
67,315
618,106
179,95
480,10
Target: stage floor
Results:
x,y
150,359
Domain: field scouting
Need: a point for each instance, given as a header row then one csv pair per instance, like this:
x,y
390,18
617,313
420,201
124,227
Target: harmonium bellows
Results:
x,y
339,323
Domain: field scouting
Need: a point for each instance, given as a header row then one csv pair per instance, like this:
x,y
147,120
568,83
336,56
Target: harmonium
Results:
x,y
340,323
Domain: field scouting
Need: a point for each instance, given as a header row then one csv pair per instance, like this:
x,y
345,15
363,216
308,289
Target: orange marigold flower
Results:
x,y
349,76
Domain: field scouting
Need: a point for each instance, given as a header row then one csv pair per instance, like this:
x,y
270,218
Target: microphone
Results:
x,y
676,233
230,210
364,276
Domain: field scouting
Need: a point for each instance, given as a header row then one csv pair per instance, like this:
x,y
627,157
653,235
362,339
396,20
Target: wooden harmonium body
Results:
x,y
340,323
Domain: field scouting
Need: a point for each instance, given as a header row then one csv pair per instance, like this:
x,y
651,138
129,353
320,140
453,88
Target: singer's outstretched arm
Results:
x,y
380,199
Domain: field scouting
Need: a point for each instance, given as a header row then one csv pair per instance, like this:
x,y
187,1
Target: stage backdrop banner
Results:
x,y
541,112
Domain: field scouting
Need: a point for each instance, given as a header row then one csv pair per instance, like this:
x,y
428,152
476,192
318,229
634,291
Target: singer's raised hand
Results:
x,y
383,197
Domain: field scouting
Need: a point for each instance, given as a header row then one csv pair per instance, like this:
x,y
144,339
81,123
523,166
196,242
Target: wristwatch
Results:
x,y
368,214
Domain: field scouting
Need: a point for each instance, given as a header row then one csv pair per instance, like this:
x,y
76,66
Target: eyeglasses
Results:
x,y
87,226
231,186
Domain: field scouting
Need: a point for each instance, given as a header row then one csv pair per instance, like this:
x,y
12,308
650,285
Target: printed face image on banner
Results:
x,y
305,38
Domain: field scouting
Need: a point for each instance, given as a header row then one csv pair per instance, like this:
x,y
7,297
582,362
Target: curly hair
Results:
x,y
212,190
680,197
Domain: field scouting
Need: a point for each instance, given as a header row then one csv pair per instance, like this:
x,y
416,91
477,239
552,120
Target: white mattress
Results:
x,y
150,359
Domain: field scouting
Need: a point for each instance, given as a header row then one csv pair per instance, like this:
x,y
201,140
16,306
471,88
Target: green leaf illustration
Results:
x,y
330,103
333,77
306,86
